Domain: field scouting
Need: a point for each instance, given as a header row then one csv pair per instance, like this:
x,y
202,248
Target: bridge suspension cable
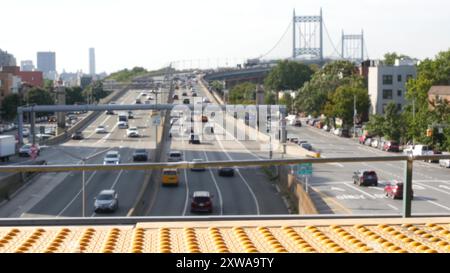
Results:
x,y
331,41
277,43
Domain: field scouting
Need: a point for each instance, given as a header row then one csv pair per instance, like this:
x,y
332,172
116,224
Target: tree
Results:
x,y
217,85
74,95
390,57
95,91
287,75
9,106
341,103
288,101
270,98
39,96
391,125
244,93
313,96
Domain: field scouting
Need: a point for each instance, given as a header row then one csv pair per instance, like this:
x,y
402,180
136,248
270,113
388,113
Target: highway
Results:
x,y
431,183
65,199
249,192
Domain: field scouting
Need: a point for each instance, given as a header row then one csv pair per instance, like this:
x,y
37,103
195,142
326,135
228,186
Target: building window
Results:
x,y
387,94
399,78
387,79
399,93
408,77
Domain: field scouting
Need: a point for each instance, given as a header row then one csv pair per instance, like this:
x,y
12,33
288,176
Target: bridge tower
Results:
x,y
353,47
309,40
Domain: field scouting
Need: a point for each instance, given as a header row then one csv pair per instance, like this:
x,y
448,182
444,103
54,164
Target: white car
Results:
x,y
100,129
25,132
132,132
444,163
112,158
206,100
122,125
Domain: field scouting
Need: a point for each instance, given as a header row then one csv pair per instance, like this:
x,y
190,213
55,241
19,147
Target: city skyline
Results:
x,y
250,31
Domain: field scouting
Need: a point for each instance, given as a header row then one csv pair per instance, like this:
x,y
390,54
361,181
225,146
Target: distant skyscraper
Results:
x,y
26,65
92,61
46,62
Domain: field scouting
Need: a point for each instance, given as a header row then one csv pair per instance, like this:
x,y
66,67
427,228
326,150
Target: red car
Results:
x,y
391,146
394,190
201,202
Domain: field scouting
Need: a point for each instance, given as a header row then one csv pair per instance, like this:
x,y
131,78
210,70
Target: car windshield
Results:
x,y
175,155
140,151
370,174
111,156
105,197
171,172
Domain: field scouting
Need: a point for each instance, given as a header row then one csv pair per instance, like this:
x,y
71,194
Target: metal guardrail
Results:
x,y
408,159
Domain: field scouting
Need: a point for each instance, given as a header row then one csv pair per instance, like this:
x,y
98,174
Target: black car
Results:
x,y
140,155
109,112
186,101
365,178
226,171
77,135
175,97
130,115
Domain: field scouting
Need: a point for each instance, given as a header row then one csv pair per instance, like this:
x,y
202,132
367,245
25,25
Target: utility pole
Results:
x,y
354,116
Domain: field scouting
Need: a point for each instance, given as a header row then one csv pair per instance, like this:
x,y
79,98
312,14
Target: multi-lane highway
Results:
x,y
65,198
431,184
249,192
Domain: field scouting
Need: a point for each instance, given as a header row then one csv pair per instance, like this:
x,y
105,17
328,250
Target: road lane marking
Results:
x,y
337,189
444,187
242,177
437,204
361,191
434,188
79,192
217,185
393,207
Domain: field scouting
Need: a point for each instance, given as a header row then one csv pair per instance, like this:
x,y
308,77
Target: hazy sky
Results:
x,y
152,33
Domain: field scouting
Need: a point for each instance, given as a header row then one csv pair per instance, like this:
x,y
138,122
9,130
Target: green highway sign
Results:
x,y
304,169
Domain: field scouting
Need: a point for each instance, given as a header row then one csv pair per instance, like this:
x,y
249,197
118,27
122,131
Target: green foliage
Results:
x,y
217,85
313,97
95,91
74,95
391,125
39,96
243,93
126,75
287,75
430,72
270,98
48,84
9,106
287,100
390,57
341,103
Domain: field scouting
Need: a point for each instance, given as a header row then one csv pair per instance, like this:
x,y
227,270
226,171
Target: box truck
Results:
x,y
7,147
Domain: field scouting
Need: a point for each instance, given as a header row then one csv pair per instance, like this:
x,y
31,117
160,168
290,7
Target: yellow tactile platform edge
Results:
x,y
417,235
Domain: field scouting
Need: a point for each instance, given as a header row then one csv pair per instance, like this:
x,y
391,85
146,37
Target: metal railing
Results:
x,y
408,174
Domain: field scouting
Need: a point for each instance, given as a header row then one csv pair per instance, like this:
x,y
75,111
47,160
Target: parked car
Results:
x,y
204,118
306,146
106,200
184,94
394,190
112,158
362,139
293,140
25,132
226,171
140,155
130,115
78,135
198,169
391,146
201,202
368,142
326,128
444,162
365,178
375,143
100,129
186,101
175,97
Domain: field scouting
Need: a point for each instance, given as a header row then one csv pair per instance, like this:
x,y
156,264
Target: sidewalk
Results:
x,y
30,194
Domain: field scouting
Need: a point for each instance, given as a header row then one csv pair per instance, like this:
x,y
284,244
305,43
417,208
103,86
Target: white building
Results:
x,y
92,62
388,84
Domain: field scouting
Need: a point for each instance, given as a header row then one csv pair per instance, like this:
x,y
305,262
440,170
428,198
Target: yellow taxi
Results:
x,y
170,177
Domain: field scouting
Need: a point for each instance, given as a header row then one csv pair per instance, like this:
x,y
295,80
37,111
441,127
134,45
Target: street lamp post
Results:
x,y
354,116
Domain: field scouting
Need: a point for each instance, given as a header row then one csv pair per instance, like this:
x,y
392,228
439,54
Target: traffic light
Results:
x,y
429,132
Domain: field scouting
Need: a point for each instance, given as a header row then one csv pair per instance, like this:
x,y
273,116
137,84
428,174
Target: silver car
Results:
x,y
106,200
